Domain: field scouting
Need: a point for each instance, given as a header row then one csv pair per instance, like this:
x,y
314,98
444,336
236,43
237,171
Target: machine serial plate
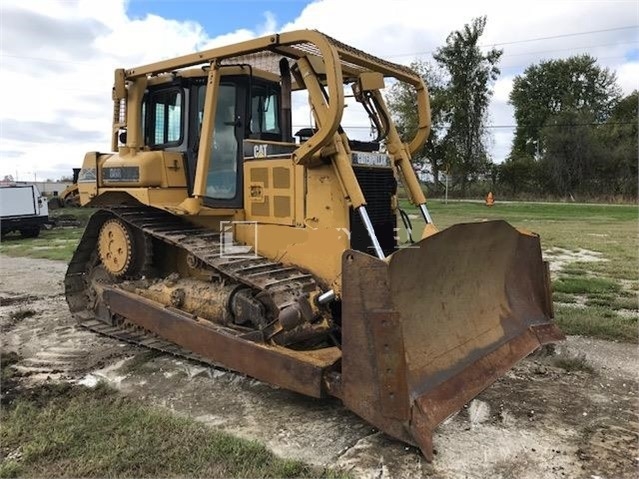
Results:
x,y
121,174
370,159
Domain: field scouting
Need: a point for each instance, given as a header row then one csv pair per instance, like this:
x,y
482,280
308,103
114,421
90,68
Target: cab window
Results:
x,y
163,117
264,111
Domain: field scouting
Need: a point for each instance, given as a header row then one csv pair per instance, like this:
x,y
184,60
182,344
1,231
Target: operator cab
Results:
x,y
248,107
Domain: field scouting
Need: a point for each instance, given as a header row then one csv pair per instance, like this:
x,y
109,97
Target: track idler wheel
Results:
x,y
122,250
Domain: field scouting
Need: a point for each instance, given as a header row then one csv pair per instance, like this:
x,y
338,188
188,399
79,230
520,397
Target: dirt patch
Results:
x,y
27,277
559,258
66,220
8,376
48,341
9,321
290,424
538,421
15,388
10,300
610,359
20,314
628,313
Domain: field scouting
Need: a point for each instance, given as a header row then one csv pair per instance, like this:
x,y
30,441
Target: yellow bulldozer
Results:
x,y
69,197
221,237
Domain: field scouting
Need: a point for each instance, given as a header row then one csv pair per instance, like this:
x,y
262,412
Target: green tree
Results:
x,y
555,86
520,174
468,89
618,137
402,99
572,152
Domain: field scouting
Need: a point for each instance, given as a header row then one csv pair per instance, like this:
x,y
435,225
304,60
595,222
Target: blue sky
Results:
x,y
219,16
633,55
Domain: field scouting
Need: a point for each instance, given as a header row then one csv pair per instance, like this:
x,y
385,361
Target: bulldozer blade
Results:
x,y
433,325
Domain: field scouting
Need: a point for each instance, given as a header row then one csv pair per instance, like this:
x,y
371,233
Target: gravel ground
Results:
x,y
538,421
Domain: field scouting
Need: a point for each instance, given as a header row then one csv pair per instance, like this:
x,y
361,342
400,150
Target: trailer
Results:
x,y
22,209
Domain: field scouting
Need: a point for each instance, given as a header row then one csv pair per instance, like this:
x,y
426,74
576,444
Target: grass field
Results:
x,y
596,290
56,244
66,430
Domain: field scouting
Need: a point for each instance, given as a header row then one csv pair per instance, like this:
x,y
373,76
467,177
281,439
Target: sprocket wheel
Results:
x,y
115,248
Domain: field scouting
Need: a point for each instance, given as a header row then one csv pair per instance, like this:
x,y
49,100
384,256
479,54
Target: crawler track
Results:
x,y
281,284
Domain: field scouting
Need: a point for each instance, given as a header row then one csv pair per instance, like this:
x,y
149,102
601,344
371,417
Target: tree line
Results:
x,y
575,134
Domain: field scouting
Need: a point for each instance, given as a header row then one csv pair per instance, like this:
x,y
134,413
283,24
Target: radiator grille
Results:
x,y
378,186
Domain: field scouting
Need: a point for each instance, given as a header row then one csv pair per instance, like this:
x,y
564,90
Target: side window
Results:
x,y
200,103
163,122
144,101
270,123
264,112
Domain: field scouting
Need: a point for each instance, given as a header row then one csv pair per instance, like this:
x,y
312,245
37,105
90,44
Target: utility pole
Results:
x,y
446,200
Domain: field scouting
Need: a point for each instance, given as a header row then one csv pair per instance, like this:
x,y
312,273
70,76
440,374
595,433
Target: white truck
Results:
x,y
22,209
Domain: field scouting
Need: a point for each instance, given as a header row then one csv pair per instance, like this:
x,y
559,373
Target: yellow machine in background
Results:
x,y
70,196
220,237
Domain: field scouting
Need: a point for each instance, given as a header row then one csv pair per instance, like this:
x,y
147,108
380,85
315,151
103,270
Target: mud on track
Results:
x,y
537,421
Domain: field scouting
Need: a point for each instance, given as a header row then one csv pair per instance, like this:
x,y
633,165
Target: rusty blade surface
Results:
x,y
373,366
466,303
466,291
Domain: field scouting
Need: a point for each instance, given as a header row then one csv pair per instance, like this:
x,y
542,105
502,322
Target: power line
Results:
x,y
569,48
527,40
562,36
22,57
566,125
515,66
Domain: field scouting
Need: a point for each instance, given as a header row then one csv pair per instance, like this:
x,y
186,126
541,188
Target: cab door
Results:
x,y
224,177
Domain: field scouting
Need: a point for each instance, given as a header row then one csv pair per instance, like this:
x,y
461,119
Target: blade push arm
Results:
x,y
401,152
338,150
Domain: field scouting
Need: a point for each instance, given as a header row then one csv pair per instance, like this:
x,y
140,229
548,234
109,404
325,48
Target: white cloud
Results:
x,y
270,24
60,57
409,30
60,106
503,87
628,76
